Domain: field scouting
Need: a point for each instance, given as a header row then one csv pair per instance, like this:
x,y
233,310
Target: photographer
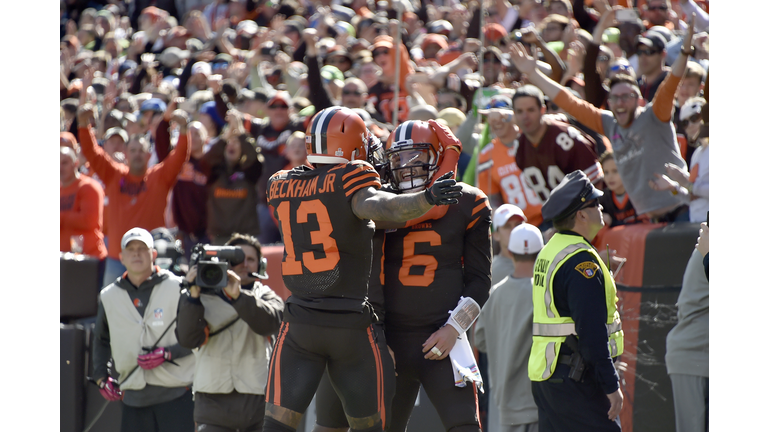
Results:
x,y
231,369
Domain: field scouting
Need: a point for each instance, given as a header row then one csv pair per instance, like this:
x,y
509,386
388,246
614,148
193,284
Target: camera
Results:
x,y
212,264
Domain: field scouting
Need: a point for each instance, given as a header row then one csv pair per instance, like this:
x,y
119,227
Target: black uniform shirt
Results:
x,y
583,299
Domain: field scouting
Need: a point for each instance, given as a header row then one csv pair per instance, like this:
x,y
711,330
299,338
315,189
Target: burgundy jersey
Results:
x,y
328,249
429,266
562,150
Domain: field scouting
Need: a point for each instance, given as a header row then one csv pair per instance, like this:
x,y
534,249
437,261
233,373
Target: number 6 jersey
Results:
x,y
428,266
328,249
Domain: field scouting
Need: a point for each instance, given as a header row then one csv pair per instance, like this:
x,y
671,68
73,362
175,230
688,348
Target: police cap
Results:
x,y
570,195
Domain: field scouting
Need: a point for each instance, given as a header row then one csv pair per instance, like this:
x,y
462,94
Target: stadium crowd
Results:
x,y
176,113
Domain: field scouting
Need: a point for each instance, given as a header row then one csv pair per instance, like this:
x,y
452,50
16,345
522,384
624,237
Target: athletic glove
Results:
x,y
109,389
154,359
444,191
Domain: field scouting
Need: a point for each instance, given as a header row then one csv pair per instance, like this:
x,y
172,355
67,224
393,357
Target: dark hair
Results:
x,y
70,105
238,239
622,79
260,95
566,223
607,155
529,91
524,257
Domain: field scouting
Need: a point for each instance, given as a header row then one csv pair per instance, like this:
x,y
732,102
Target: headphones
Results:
x,y
262,272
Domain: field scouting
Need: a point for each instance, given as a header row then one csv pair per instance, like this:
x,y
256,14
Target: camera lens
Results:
x,y
210,275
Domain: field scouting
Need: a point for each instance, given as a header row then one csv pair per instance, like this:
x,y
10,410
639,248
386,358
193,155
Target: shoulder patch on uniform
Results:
x,y
588,269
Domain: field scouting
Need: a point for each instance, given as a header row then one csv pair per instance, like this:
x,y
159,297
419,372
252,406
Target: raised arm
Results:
x,y
584,112
664,99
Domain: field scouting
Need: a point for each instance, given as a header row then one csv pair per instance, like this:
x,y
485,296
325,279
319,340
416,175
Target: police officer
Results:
x,y
576,325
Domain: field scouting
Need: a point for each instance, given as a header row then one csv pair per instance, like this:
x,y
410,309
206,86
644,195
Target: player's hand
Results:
x,y
617,402
392,354
702,243
443,340
233,285
444,191
444,135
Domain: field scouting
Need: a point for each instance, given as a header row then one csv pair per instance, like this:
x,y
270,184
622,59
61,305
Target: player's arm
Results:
x,y
370,203
478,252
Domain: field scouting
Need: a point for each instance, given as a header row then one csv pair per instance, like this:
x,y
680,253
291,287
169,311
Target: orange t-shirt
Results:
x,y
133,201
506,178
81,212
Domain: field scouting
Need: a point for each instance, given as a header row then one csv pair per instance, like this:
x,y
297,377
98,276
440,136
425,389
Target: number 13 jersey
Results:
x,y
328,249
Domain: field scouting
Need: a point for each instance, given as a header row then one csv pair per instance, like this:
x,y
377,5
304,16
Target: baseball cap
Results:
x,y
502,214
497,101
525,239
201,67
611,35
139,234
331,73
692,106
248,27
153,104
116,131
440,26
280,96
172,55
494,32
451,117
209,108
652,40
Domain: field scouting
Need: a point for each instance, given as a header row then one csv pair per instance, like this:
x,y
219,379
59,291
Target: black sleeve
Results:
x,y
300,52
593,85
137,79
473,31
706,265
477,258
318,94
253,160
186,74
102,351
261,309
586,301
221,105
190,329
162,140
583,17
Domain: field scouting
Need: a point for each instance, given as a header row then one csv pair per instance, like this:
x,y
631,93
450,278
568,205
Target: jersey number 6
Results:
x,y
322,236
410,259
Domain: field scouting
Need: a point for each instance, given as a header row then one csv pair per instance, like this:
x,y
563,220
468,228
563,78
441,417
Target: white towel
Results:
x,y
464,365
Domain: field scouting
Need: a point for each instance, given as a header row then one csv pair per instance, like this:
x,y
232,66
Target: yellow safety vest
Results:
x,y
549,328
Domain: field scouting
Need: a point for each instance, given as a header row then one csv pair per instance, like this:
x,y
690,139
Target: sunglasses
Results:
x,y
647,52
655,8
279,106
603,58
220,65
379,52
351,92
692,119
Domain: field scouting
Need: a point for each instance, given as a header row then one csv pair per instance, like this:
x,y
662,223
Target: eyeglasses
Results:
x,y
692,119
603,58
220,65
351,92
655,8
279,106
623,98
647,52
379,52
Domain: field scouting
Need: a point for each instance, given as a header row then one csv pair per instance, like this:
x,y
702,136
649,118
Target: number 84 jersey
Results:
x,y
430,265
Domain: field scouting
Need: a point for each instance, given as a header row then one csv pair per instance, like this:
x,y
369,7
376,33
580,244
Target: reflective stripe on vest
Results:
x,y
551,356
569,329
559,257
